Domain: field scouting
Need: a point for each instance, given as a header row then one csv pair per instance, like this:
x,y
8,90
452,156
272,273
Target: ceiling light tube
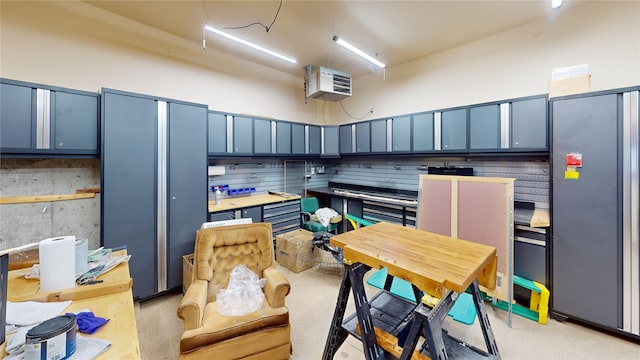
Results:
x,y
250,44
359,52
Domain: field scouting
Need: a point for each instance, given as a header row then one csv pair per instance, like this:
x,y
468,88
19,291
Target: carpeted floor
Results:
x,y
311,305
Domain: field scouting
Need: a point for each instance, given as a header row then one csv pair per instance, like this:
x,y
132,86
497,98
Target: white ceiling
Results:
x,y
397,31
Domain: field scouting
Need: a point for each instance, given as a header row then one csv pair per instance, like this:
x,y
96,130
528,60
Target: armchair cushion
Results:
x,y
216,327
264,333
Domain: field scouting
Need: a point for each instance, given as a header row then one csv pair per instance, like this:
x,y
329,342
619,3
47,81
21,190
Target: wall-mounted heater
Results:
x,y
326,84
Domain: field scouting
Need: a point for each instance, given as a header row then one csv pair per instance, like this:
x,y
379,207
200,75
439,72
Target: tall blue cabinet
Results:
x,y
154,184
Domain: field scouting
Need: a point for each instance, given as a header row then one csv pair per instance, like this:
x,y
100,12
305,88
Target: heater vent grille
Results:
x,y
327,84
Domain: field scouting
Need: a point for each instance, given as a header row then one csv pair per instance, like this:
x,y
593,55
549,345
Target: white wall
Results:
x,y
75,45
516,63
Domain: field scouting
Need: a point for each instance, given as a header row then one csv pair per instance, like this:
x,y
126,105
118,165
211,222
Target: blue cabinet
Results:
x,y
242,135
454,130
379,136
363,137
217,130
297,139
45,120
422,134
346,139
401,134
314,140
283,137
529,124
331,140
17,117
261,137
484,127
154,197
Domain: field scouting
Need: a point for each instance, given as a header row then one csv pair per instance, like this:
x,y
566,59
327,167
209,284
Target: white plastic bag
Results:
x,y
243,294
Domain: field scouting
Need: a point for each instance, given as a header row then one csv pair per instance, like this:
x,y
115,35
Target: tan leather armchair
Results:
x,y
262,334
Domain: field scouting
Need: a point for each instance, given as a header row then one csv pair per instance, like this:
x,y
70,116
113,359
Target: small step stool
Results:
x,y
538,304
463,310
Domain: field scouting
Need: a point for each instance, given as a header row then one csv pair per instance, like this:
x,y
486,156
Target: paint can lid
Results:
x,y
50,328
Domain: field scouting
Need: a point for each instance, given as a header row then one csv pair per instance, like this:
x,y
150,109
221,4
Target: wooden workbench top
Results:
x,y
430,261
239,202
111,299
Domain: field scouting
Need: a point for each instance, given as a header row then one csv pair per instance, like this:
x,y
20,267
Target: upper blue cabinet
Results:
x,y
40,120
484,127
453,130
401,134
379,136
529,124
217,130
422,134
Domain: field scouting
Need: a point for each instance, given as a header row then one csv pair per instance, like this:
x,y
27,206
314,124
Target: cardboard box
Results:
x,y
187,271
294,250
570,86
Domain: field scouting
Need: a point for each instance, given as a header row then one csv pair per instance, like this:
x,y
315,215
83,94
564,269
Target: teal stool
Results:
x,y
463,311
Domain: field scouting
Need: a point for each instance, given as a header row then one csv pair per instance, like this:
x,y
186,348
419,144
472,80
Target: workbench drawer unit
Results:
x,y
530,253
397,214
284,216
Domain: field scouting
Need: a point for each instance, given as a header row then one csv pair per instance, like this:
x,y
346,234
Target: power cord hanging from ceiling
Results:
x,y
354,118
259,23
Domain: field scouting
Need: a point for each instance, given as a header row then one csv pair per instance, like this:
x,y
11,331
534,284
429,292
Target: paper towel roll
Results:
x,y
57,263
82,249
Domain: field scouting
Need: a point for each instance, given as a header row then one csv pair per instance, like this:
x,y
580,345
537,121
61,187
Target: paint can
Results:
x,y
53,339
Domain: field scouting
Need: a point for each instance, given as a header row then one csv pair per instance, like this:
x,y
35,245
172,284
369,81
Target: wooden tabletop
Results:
x,y
239,202
430,261
111,300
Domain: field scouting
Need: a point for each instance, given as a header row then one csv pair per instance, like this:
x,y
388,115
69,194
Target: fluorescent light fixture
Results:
x,y
359,52
250,44
556,4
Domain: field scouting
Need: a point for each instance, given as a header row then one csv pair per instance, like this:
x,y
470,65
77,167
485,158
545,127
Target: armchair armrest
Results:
x,y
191,309
306,216
276,286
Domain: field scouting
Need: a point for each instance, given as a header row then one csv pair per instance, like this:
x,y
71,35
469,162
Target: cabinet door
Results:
x,y
187,195
331,140
283,137
586,210
261,136
222,216
314,139
129,175
484,125
529,124
363,137
346,140
255,213
454,129
217,130
379,136
242,135
297,139
75,121
17,116
422,132
401,133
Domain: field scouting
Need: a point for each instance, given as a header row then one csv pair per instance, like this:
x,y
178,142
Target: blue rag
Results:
x,y
89,323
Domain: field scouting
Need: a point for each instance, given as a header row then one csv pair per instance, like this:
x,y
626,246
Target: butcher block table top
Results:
x,y
430,261
239,202
112,299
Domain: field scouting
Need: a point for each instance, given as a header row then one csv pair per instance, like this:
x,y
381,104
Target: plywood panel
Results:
x,y
480,210
434,206
483,217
